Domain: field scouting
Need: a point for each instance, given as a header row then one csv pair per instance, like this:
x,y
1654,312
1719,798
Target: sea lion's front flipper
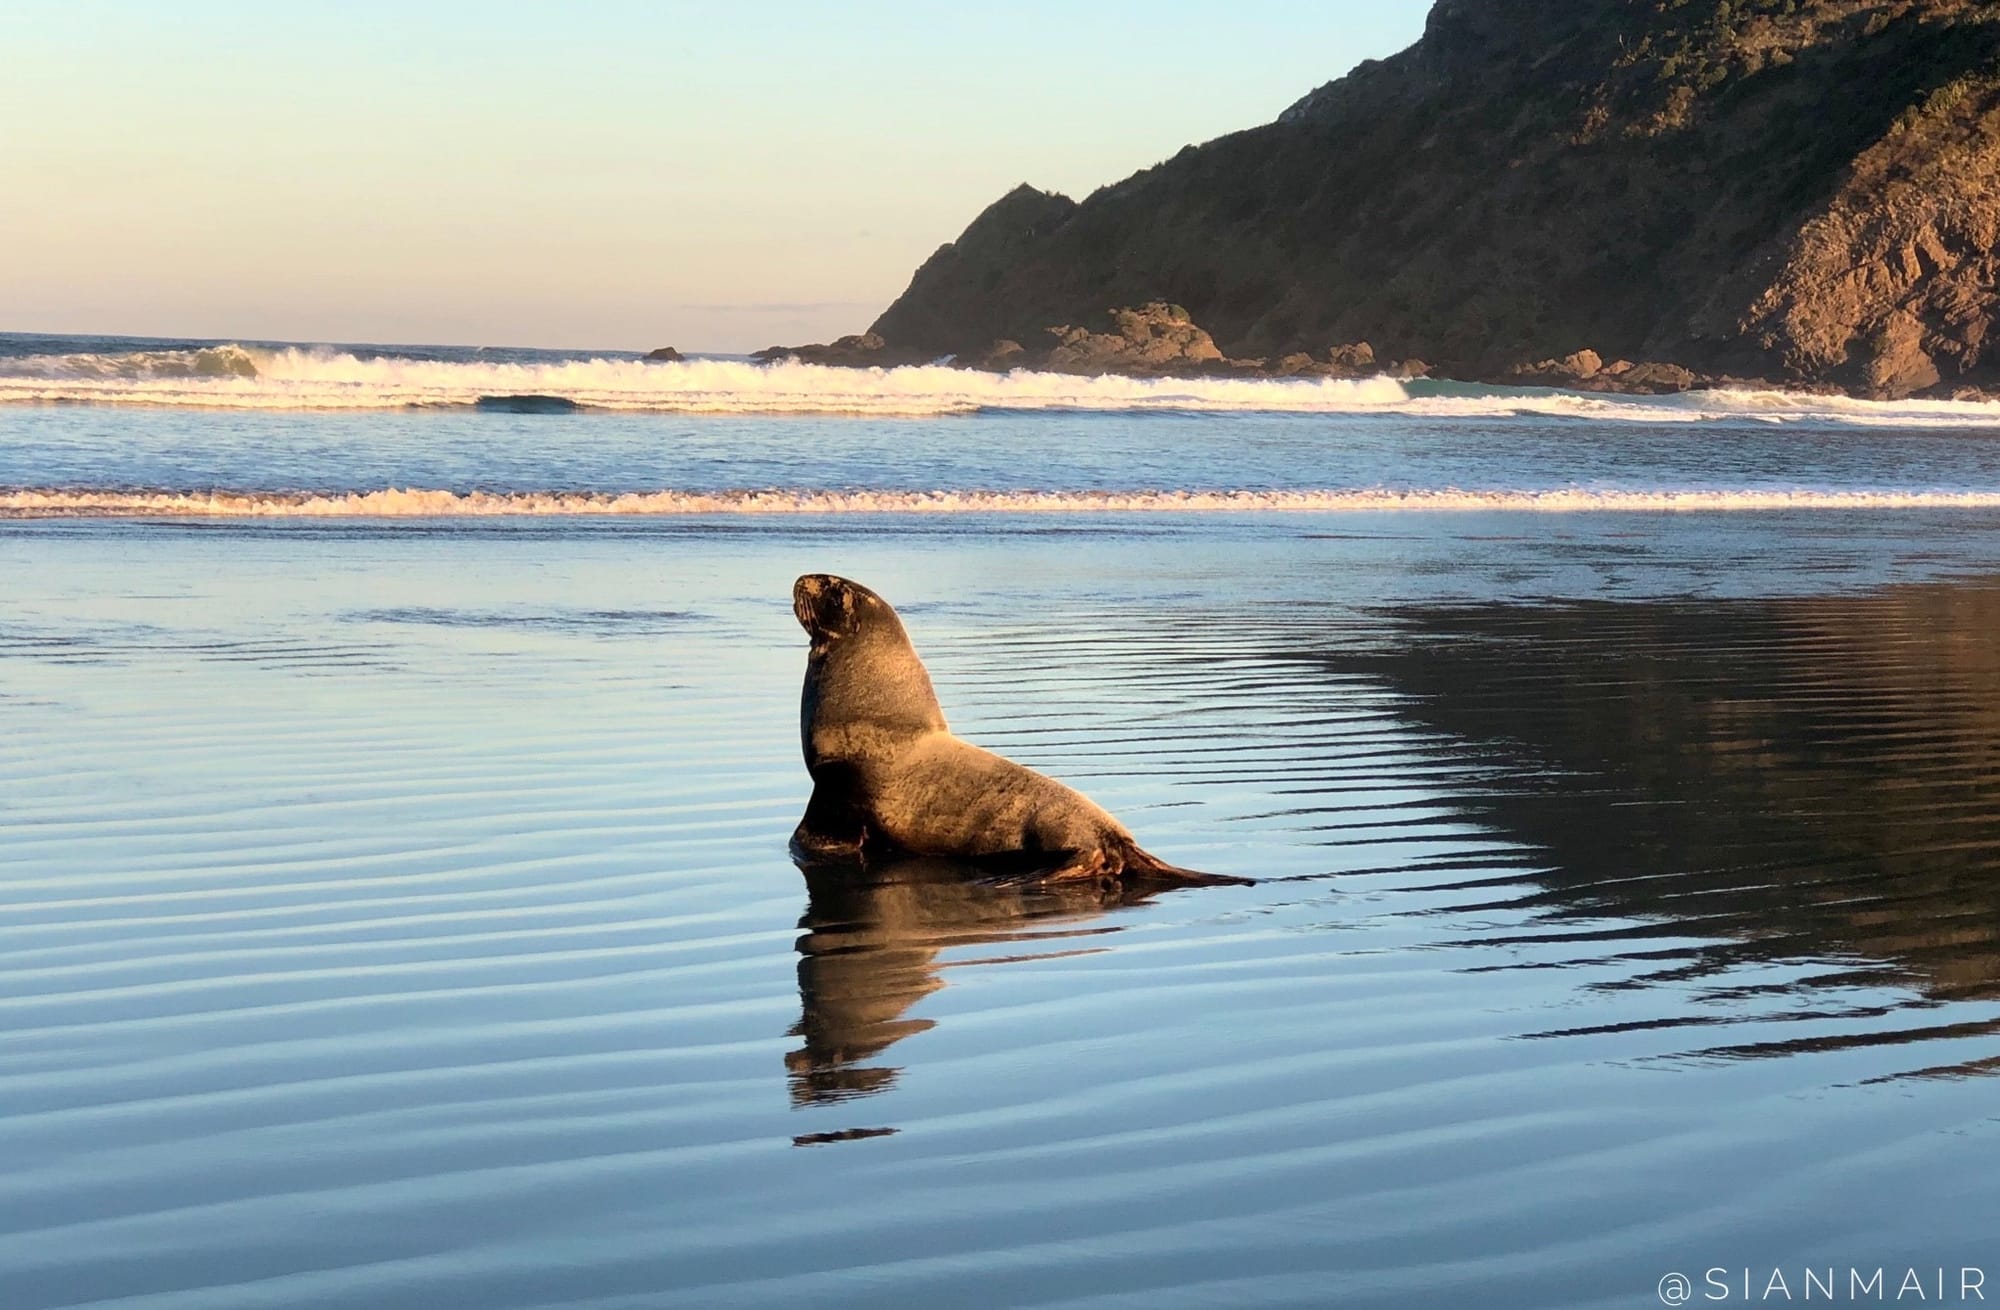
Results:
x,y
832,828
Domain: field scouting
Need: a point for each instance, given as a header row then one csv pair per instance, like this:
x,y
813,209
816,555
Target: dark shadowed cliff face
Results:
x,y
1797,189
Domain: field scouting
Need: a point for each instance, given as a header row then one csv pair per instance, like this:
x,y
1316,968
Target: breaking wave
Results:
x,y
301,378
292,378
403,503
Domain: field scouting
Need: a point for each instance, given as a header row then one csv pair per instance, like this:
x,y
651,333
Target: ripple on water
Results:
x,y
1598,939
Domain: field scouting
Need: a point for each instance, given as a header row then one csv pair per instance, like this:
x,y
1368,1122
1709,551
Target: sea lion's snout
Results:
x,y
805,598
823,603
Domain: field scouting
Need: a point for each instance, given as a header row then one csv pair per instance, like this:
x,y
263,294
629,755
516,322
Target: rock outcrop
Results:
x,y
1805,191
1347,361
1585,370
856,350
664,355
1154,338
999,357
1159,340
1568,371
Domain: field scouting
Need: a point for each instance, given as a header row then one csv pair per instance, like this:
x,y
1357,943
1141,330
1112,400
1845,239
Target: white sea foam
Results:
x,y
242,377
238,377
1721,405
412,502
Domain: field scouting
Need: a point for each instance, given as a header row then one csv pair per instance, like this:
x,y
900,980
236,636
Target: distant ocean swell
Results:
x,y
419,503
308,378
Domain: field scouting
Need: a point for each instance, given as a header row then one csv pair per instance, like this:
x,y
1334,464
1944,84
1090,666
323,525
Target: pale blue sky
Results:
x,y
593,174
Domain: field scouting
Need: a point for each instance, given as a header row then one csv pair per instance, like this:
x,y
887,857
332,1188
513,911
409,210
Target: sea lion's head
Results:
x,y
830,608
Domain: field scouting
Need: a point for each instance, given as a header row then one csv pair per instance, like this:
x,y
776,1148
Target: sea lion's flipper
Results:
x,y
1122,863
832,829
1081,866
1046,869
1141,866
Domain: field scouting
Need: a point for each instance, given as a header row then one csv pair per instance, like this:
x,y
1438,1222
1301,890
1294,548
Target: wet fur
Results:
x,y
890,778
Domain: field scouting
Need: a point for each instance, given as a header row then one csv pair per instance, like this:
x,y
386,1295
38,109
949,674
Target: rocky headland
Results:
x,y
1629,195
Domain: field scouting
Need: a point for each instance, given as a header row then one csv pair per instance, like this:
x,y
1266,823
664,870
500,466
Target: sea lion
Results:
x,y
889,776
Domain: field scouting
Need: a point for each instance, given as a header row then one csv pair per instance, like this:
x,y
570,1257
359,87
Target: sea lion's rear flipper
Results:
x,y
1049,870
1136,865
1081,866
1123,863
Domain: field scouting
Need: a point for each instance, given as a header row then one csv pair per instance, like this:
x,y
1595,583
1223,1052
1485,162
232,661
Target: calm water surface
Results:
x,y
399,915
396,913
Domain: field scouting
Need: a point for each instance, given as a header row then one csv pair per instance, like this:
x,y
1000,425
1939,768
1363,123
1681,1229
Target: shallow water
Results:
x,y
395,911
398,914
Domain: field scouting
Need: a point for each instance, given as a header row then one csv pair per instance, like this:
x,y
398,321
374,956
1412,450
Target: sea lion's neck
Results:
x,y
864,692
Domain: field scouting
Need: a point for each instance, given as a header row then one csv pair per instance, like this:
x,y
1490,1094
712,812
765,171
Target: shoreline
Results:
x,y
1154,357
1161,340
1650,378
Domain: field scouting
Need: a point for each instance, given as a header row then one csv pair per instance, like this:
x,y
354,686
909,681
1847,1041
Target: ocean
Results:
x,y
396,779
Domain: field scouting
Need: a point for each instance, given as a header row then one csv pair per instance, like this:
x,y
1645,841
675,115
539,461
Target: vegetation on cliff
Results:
x,y
1801,190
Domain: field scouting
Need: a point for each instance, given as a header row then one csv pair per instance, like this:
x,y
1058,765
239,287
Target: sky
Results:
x,y
592,175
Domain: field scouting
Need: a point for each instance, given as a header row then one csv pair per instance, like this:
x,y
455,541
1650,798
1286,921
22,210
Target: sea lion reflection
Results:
x,y
871,945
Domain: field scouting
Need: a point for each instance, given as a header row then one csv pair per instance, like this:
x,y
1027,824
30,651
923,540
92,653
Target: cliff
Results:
x,y
1801,190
